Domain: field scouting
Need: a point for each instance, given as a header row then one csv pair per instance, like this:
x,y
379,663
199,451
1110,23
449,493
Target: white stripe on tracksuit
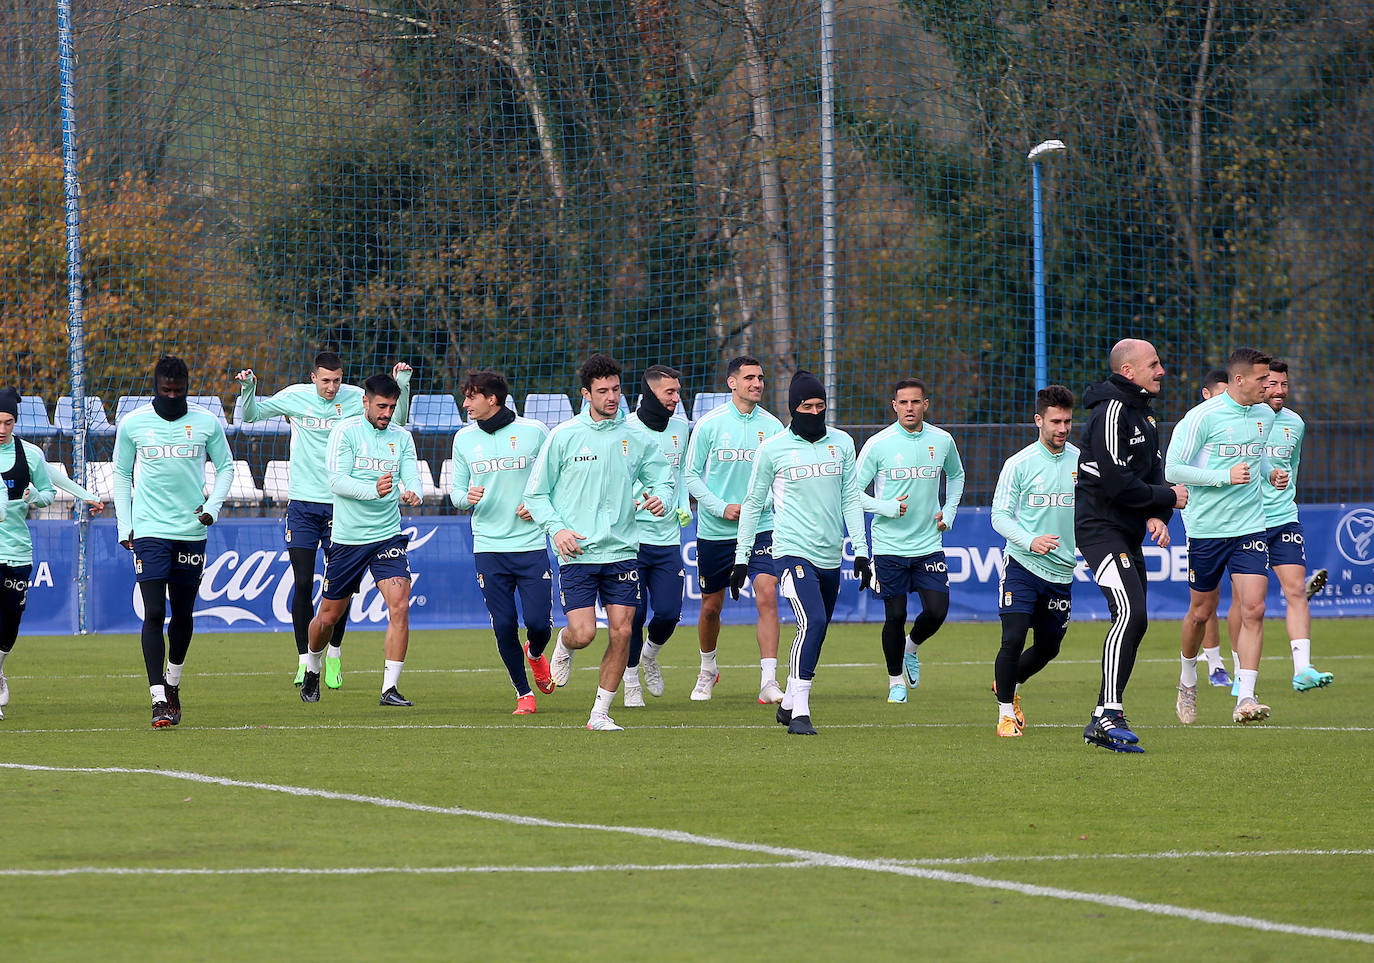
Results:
x,y
789,592
1108,577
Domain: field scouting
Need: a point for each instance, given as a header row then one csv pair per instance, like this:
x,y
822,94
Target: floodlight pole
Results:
x,y
1043,151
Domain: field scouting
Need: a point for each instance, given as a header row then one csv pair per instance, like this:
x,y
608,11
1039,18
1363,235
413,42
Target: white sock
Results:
x,y
159,693
768,671
304,658
1213,656
1187,673
1017,690
602,706
3,655
632,677
173,673
313,660
1235,663
334,652
391,675
1302,654
801,702
910,646
1114,706
652,649
789,694
1007,710
895,680
1248,678
708,661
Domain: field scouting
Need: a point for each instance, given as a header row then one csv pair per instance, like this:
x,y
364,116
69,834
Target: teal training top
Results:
x,y
816,496
587,478
1211,438
672,443
1283,447
1034,497
900,462
720,458
312,419
501,463
358,455
16,544
159,473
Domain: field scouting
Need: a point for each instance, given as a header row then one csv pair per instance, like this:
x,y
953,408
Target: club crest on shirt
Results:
x,y
624,446
931,449
514,442
392,446
1125,560
832,450
1151,420
1073,477
338,408
760,438
189,432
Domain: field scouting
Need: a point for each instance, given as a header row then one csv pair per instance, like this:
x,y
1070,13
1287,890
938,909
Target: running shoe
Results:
x,y
706,681
561,663
174,704
1249,710
1310,678
1219,677
1007,727
897,693
1111,731
162,716
524,706
600,722
393,698
653,674
310,688
539,666
801,726
300,675
770,694
911,668
333,671
1185,706
634,697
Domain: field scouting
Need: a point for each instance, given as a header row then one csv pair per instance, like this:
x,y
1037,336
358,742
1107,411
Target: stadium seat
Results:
x,y
276,481
215,406
97,423
242,490
446,477
276,425
708,401
434,413
550,409
427,487
128,403
33,422
100,479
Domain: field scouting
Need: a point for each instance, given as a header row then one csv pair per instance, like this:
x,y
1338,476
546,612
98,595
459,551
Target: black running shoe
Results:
x,y
784,716
310,687
392,698
162,716
174,704
1111,731
801,726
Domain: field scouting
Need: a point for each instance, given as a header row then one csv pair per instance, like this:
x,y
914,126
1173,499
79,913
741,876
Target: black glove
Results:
x,y
863,571
738,576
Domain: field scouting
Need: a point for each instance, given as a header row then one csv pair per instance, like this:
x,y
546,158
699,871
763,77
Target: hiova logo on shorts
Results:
x,y
239,584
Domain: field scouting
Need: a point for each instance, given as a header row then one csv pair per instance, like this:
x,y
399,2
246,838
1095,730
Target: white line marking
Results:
x,y
805,855
1167,854
384,870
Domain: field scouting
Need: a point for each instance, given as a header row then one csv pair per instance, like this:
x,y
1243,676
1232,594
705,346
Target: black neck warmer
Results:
x,y
652,412
804,387
169,409
503,417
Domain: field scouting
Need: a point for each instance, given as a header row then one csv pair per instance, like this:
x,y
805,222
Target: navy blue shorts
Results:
x,y
309,524
345,565
617,583
897,576
14,587
1210,558
501,574
179,563
715,558
661,572
1022,591
1285,545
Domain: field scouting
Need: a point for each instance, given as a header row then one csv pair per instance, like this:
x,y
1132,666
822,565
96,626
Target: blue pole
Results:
x,y
76,338
1042,361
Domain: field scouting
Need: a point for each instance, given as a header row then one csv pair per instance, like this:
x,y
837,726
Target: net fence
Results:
x,y
518,183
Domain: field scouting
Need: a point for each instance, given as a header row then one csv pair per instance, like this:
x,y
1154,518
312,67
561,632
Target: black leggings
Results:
x,y
934,609
1014,666
156,593
302,601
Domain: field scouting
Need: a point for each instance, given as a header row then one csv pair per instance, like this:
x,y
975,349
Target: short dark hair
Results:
x,y
329,361
1243,358
598,366
1278,367
1055,396
1214,377
486,382
736,363
382,386
910,383
170,368
660,372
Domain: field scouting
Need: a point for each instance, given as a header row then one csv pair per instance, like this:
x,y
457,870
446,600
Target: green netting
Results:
x,y
517,183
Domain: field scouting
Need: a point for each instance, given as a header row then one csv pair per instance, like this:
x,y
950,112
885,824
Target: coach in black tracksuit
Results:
x,y
1121,496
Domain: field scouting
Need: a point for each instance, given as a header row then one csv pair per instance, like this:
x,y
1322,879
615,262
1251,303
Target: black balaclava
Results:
x,y
170,369
9,402
170,409
503,417
652,412
804,387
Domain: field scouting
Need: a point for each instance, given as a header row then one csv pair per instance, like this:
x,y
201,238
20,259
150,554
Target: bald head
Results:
x,y
1137,362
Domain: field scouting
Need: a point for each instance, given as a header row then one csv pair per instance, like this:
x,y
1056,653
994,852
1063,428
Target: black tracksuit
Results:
x,y
1120,486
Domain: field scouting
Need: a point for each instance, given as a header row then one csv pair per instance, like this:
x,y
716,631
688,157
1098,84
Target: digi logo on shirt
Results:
x,y
383,465
902,474
734,454
799,472
500,464
1049,500
316,422
154,452
1253,450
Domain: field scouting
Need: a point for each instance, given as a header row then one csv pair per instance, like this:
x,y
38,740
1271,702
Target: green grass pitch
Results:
x,y
263,827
